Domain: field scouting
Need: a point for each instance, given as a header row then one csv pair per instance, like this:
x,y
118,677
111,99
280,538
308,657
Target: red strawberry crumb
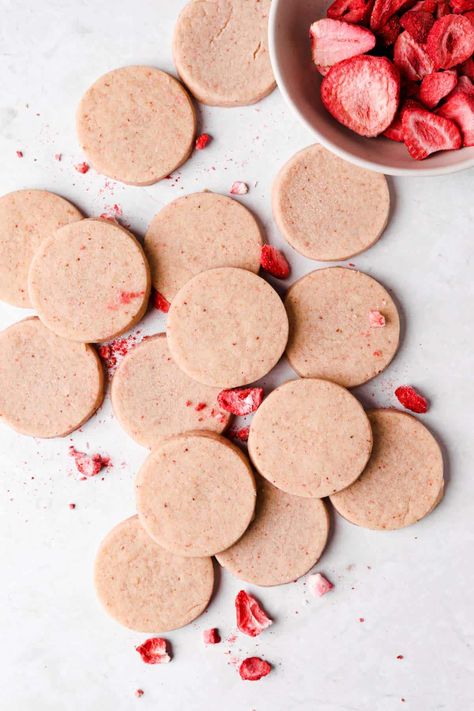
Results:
x,y
202,141
319,585
274,262
160,303
139,693
377,354
72,506
88,465
251,619
81,167
241,401
19,154
58,156
114,351
154,651
200,406
242,434
400,656
239,188
188,403
411,400
361,619
376,319
126,297
254,668
211,636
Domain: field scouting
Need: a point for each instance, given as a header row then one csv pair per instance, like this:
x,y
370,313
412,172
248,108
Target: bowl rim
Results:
x,y
464,164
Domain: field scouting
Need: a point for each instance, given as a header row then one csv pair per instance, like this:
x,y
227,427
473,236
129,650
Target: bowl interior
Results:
x,y
299,82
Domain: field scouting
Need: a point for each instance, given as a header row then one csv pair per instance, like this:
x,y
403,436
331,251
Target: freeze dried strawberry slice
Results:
x,y
154,651
253,668
436,86
383,11
390,31
461,6
274,262
160,303
411,400
319,585
464,84
459,107
240,401
356,11
362,93
450,41
425,133
251,619
411,59
395,130
211,636
467,69
333,40
418,24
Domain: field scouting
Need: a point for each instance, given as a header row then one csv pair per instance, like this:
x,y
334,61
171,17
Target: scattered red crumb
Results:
x,y
400,656
274,262
231,639
361,619
72,506
114,351
376,319
154,651
242,434
377,354
218,415
19,154
200,406
351,264
88,464
254,668
239,188
126,297
410,399
240,401
202,141
188,403
251,618
81,167
211,636
319,585
159,302
139,692
112,213
58,156
402,700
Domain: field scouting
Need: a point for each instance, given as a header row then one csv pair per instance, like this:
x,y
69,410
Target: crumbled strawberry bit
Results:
x,y
241,401
19,154
239,188
154,651
88,464
241,434
126,297
202,141
377,354
160,303
211,636
411,400
361,619
254,668
376,319
139,693
319,585
72,506
274,262
188,403
400,656
114,351
251,619
200,406
81,167
58,156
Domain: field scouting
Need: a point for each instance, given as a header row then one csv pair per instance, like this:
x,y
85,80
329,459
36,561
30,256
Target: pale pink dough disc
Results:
x,y
403,481
153,399
136,124
199,232
27,217
285,539
48,386
331,333
220,51
146,588
310,438
90,281
196,494
227,327
328,209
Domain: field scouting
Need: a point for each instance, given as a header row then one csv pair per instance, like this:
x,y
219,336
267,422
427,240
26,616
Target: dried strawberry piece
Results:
x,y
459,107
383,11
274,262
202,141
467,68
19,154
253,668
436,86
411,59
241,434
88,465
464,84
154,651
390,31
239,188
139,693
425,133
362,93
461,6
333,40
418,23
82,167
240,401
376,319
395,130
356,11
442,9
251,619
410,399
211,636
450,41
319,584
160,303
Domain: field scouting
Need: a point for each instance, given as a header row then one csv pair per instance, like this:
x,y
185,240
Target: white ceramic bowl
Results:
x,y
299,83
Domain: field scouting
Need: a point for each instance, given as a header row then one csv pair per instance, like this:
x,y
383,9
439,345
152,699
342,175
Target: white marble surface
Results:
x,y
414,588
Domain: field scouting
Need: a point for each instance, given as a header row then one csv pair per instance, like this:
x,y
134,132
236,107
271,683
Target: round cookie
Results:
x,y
153,399
136,124
328,209
285,539
331,335
26,218
195,494
403,481
198,232
220,51
310,438
227,327
48,386
90,281
146,588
